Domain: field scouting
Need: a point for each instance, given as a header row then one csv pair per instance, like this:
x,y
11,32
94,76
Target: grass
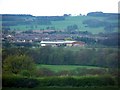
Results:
x,y
61,25
65,88
75,48
58,68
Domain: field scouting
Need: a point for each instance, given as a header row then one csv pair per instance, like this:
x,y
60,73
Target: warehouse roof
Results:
x,y
56,42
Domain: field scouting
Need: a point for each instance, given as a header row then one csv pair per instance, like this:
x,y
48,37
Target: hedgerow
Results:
x,y
19,81
77,82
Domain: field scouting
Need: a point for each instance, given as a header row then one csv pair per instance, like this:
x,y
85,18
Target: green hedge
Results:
x,y
18,81
77,82
15,81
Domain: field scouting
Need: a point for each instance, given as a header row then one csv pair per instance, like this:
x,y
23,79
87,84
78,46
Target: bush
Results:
x,y
18,81
89,71
78,81
96,81
44,72
18,63
25,73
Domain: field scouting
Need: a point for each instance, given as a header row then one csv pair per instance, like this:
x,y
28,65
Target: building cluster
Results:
x,y
47,38
43,38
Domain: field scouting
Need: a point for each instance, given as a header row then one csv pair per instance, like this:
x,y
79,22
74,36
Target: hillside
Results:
x,y
94,22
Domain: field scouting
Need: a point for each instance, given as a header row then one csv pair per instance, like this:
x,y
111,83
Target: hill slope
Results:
x,y
93,22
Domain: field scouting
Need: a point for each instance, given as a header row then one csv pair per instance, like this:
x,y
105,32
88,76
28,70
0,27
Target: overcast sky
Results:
x,y
57,7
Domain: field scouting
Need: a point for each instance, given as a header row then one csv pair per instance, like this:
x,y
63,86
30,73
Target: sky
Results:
x,y
57,7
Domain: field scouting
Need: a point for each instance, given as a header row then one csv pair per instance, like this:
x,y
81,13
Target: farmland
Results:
x,y
90,64
58,68
56,74
90,23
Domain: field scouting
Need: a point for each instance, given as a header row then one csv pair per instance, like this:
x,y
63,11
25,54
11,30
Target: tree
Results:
x,y
16,64
72,28
66,15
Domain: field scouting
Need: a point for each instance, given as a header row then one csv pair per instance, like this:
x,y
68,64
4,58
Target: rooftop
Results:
x,y
56,42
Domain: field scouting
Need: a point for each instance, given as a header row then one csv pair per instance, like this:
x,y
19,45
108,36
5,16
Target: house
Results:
x,y
61,43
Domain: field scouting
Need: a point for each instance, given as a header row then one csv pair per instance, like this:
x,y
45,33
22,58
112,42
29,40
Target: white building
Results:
x,y
61,43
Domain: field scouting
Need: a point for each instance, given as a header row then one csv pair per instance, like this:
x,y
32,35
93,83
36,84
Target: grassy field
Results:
x,y
55,88
78,20
58,68
62,25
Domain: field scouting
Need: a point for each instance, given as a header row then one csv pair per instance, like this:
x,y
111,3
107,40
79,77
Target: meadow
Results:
x,y
62,25
58,68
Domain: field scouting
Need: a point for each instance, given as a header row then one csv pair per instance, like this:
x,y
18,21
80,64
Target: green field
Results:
x,y
57,88
78,20
58,68
62,25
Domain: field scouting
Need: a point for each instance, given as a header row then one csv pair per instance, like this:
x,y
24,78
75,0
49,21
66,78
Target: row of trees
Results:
x,y
13,20
95,23
106,39
63,56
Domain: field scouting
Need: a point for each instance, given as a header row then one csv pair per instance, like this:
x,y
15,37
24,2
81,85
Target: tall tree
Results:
x,y
16,64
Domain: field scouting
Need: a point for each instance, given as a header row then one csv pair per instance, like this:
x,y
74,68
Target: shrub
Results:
x,y
16,64
25,73
45,72
18,81
77,82
64,73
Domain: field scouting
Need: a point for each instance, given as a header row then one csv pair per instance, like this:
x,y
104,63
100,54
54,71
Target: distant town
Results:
x,y
37,38
94,29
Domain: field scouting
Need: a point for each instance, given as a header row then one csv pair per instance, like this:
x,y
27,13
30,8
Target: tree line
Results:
x,y
13,20
105,57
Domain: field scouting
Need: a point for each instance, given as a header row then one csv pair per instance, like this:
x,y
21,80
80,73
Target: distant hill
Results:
x,y
94,22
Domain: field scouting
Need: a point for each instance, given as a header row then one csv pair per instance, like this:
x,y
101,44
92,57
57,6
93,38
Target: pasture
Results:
x,y
58,68
62,25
